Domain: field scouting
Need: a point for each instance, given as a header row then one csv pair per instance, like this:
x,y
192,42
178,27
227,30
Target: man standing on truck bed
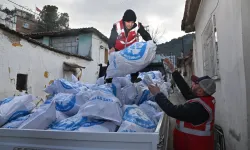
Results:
x,y
125,32
195,118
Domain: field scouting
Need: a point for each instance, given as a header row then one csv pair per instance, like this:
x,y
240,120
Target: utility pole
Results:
x,y
182,45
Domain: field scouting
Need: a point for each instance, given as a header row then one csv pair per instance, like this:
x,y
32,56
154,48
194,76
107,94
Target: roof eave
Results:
x,y
70,32
191,9
31,40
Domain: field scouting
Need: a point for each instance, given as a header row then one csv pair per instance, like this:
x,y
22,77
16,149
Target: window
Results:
x,y
21,83
106,56
67,44
210,49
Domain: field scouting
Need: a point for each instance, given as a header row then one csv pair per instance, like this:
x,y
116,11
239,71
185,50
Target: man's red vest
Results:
x,y
196,137
122,41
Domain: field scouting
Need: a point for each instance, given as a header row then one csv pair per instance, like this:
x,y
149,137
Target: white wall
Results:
x,y
231,102
99,54
245,5
34,60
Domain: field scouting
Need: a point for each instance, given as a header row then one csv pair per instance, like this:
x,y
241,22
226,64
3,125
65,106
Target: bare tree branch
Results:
x,y
157,34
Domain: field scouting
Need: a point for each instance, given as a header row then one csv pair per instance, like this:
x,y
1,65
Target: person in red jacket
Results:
x,y
195,118
125,32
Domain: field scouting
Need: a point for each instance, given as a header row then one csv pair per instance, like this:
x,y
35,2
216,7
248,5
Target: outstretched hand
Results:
x,y
154,89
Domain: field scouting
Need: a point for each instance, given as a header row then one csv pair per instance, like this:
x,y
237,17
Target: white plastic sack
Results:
x,y
147,80
131,59
123,81
83,96
100,81
41,119
15,107
69,104
62,86
74,78
152,110
143,93
154,75
103,105
69,124
165,88
128,76
135,120
92,125
60,116
90,86
118,83
129,95
16,123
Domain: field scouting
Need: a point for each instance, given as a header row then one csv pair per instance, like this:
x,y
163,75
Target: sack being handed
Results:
x,y
131,59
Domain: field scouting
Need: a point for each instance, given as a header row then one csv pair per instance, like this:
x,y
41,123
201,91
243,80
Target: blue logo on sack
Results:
x,y
66,107
49,100
18,114
144,96
69,124
66,84
128,130
6,100
136,116
101,98
152,75
114,89
92,123
135,51
104,89
15,123
22,118
152,104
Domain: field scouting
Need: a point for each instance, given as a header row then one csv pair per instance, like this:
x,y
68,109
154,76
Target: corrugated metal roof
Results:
x,y
69,32
29,39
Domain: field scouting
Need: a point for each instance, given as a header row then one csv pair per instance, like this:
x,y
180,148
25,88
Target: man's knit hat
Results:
x,y
129,15
206,83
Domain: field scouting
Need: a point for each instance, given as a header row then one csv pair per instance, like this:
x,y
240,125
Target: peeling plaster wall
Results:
x,y
232,88
42,65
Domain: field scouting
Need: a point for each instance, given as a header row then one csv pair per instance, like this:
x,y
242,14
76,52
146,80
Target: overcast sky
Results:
x,y
101,14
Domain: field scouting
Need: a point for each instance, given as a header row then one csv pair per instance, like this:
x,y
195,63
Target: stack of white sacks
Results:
x,y
120,106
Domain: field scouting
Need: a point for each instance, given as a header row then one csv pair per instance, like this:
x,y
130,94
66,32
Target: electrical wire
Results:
x,y
211,14
215,7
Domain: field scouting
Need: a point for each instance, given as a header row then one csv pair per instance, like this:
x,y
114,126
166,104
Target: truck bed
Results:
x,y
13,139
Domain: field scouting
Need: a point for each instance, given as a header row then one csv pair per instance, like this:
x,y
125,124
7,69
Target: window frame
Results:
x,y
210,49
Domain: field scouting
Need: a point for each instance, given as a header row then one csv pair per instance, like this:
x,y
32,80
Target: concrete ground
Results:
x,y
175,98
